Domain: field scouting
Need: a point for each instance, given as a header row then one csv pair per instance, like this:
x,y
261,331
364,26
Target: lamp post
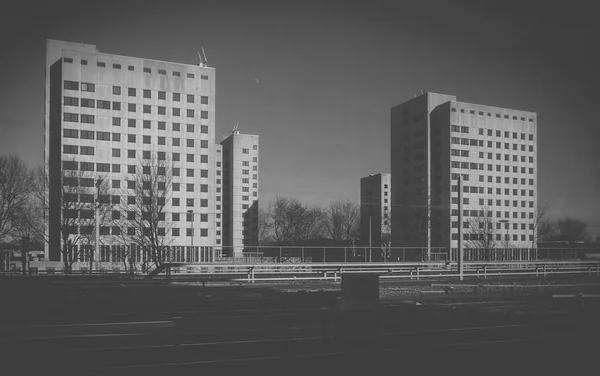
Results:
x,y
506,236
93,255
191,214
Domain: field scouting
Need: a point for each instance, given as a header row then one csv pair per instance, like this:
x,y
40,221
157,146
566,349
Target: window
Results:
x,y
190,157
101,64
131,92
147,140
71,85
131,138
204,99
131,107
190,143
176,157
189,188
71,133
88,87
204,129
145,154
245,151
116,66
176,74
116,106
190,172
162,95
190,113
68,59
89,119
147,70
162,110
176,112
203,77
103,105
89,103
190,98
162,125
116,137
131,123
147,124
176,142
203,173
86,150
203,114
162,71
147,109
71,101
70,149
176,97
204,144
103,136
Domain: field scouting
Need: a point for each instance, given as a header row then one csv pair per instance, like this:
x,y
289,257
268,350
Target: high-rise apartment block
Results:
x,y
435,140
375,209
107,114
240,192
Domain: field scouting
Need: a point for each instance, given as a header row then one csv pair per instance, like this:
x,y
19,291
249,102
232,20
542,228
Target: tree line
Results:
x,y
131,212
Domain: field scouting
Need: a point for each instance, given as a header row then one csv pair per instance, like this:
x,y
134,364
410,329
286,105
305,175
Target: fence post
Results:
x,y
280,254
303,254
344,254
323,254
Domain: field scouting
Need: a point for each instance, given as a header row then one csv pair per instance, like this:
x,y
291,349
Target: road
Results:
x,y
116,328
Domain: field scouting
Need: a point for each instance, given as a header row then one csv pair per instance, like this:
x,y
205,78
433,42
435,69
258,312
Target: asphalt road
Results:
x,y
116,327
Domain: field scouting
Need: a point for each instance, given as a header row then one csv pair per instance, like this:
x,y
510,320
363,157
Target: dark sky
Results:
x,y
316,80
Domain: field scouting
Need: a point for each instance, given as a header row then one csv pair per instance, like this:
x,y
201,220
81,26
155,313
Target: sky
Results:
x,y
316,79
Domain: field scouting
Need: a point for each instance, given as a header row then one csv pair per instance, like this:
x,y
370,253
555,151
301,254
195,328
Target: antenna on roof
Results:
x,y
202,57
421,92
235,128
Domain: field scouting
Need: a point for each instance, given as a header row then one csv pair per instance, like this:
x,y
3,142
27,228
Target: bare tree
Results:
x,y
148,194
541,227
386,242
102,210
15,187
265,227
77,195
481,231
572,230
342,221
294,221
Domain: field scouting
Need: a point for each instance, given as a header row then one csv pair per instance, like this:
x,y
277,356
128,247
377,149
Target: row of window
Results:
x,y
132,107
481,166
490,190
490,132
481,213
132,138
147,124
482,225
114,230
499,237
482,179
481,155
102,64
490,202
132,169
116,105
489,114
490,144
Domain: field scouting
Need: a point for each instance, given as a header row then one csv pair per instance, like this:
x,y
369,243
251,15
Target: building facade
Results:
x,y
240,193
435,140
375,209
111,117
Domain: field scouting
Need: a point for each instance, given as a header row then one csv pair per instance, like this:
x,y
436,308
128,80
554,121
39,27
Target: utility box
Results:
x,y
360,292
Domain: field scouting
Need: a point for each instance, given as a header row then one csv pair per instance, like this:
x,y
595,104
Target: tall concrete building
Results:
x,y
240,193
105,114
436,139
375,209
